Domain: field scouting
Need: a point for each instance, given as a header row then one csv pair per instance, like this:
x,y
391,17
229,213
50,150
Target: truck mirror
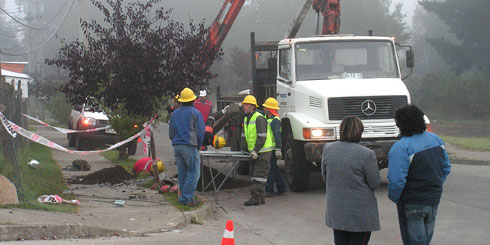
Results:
x,y
410,58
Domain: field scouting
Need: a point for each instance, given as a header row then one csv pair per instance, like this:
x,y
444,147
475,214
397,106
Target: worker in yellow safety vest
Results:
x,y
258,141
274,126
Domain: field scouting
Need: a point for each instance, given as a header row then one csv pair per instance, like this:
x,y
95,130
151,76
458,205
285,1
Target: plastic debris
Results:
x,y
55,199
34,163
119,203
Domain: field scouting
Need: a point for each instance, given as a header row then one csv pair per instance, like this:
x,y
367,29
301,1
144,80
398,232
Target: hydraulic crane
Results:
x,y
222,24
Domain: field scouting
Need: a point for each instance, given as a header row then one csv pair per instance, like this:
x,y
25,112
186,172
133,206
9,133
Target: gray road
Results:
x,y
298,218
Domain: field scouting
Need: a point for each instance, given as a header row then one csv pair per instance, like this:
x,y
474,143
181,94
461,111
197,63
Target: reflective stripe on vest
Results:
x,y
146,165
269,130
250,130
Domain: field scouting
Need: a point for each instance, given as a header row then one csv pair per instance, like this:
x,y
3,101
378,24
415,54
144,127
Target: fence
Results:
x,y
13,107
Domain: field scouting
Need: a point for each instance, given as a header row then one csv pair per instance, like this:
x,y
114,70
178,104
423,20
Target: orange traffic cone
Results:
x,y
228,237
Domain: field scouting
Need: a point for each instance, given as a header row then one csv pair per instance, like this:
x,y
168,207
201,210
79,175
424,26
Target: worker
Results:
x,y
175,104
274,125
258,142
203,105
144,165
232,114
186,130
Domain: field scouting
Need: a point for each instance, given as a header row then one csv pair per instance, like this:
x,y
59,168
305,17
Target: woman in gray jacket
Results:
x,y
351,173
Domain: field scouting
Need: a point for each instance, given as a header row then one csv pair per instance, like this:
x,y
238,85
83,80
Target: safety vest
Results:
x,y
204,108
250,130
269,130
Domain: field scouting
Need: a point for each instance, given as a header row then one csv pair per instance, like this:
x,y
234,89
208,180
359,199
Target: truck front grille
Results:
x,y
338,108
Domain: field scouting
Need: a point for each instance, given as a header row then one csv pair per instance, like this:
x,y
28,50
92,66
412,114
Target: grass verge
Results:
x,y
45,180
468,143
174,200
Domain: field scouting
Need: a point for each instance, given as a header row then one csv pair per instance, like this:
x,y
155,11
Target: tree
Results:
x,y
133,60
467,20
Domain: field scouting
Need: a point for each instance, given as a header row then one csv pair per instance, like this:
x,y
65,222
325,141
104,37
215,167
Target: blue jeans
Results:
x,y
274,176
188,166
416,223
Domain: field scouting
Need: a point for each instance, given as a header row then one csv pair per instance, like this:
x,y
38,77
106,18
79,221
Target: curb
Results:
x,y
54,232
70,231
470,162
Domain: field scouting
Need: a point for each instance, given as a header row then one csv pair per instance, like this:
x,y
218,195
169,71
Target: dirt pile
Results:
x,y
230,183
114,175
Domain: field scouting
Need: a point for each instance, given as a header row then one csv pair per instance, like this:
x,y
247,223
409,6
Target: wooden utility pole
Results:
x,y
154,168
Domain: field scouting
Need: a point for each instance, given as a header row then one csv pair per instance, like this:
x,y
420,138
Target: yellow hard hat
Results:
x,y
250,99
218,142
271,103
187,95
160,166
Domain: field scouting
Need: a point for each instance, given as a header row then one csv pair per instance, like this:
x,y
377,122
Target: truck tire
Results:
x,y
297,171
132,147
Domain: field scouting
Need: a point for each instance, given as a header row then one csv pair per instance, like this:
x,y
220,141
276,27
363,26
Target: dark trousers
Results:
x,y
274,176
259,169
351,238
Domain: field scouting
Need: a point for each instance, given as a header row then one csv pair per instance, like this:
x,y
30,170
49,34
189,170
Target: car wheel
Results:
x,y
80,143
72,140
132,146
297,171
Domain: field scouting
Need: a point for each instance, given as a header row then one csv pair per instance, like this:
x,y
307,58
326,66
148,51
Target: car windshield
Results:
x,y
341,60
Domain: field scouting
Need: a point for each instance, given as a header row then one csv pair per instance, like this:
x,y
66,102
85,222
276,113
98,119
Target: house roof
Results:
x,y
8,73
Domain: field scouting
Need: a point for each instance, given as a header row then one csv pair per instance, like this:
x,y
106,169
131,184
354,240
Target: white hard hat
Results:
x,y
202,93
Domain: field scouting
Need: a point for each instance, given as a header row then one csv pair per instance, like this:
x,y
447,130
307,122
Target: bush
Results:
x,y
59,108
446,95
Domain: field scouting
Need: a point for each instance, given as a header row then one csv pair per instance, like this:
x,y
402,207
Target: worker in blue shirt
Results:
x,y
417,168
186,130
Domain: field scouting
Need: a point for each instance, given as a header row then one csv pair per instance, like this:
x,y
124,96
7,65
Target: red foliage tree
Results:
x,y
134,58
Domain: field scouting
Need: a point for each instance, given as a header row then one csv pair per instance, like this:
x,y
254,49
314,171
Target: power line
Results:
x,y
49,38
18,21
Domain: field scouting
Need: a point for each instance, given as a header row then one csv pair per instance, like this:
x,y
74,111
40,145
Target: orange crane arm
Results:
x,y
330,9
222,24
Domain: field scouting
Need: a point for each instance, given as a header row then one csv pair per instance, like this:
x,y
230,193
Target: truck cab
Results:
x,y
322,79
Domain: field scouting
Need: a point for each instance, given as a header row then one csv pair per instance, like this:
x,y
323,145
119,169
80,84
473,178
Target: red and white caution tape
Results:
x,y
65,130
14,128
7,125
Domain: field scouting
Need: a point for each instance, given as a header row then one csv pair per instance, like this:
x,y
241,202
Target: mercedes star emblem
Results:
x,y
368,107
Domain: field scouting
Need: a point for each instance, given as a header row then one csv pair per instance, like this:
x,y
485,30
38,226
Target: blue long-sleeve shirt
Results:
x,y
417,168
186,127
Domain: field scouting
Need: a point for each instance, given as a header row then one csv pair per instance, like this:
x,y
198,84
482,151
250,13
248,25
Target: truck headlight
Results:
x,y
319,133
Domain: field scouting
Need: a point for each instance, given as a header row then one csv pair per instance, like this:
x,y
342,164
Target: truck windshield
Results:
x,y
345,59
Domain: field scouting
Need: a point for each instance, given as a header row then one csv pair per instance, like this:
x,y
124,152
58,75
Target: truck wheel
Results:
x,y
132,147
297,171
80,144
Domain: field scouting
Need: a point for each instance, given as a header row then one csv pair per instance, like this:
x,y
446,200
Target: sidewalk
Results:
x,y
98,216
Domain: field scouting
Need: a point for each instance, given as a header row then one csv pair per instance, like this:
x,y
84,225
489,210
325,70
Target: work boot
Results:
x,y
253,202
269,194
280,192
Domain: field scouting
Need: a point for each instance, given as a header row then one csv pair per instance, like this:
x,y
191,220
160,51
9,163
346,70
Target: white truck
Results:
x,y
320,80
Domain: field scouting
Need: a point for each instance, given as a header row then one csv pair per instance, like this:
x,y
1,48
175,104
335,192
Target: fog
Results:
x,y
35,27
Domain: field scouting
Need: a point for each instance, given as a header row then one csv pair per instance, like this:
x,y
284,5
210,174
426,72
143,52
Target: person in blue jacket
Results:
x,y
417,168
187,134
